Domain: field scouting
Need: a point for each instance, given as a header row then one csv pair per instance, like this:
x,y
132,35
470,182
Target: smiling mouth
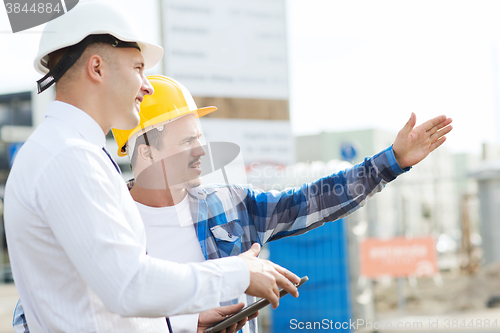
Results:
x,y
195,164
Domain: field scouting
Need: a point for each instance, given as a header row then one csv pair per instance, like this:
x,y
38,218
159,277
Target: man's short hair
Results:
x,y
102,49
152,138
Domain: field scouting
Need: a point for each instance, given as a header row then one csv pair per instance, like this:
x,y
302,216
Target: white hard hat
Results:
x,y
91,18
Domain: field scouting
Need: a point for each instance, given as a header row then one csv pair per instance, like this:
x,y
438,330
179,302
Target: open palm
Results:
x,y
413,144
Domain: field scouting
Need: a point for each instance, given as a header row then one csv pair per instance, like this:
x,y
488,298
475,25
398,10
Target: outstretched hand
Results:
x,y
413,144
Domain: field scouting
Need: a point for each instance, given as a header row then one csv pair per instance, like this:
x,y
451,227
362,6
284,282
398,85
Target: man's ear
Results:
x,y
145,153
94,67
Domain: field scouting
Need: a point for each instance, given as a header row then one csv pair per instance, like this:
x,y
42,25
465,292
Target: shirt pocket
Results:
x,y
228,237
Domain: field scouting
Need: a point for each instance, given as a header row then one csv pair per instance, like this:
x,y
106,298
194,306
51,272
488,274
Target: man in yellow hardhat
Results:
x,y
189,222
76,240
168,136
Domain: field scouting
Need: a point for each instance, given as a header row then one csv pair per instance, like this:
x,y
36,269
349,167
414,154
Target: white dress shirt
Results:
x,y
77,244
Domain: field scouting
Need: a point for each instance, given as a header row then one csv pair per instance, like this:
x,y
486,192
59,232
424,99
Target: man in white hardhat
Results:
x,y
76,241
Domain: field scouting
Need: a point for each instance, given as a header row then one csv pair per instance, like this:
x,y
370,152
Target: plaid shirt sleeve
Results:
x,y
295,211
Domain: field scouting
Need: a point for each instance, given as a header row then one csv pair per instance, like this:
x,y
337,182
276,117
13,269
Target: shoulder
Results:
x,y
46,157
54,136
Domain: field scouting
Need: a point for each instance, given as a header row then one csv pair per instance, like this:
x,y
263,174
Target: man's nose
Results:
x,y
146,86
199,150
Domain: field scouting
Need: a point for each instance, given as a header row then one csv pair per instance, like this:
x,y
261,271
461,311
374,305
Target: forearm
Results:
x,y
167,288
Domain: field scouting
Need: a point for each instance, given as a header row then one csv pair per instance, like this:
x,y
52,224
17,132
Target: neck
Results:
x,y
83,100
158,198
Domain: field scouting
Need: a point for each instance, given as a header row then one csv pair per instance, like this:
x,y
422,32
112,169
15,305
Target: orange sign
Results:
x,y
398,257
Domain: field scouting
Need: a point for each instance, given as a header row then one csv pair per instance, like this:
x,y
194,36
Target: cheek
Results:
x,y
139,79
130,82
168,154
181,159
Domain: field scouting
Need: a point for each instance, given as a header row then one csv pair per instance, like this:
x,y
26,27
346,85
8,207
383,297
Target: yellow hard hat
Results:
x,y
170,101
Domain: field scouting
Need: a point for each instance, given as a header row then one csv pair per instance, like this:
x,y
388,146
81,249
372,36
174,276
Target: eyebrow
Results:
x,y
191,137
140,63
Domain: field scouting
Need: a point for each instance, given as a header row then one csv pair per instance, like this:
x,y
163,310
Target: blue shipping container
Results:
x,y
324,301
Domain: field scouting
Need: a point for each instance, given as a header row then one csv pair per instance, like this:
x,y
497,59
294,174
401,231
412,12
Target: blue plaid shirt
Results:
x,y
229,218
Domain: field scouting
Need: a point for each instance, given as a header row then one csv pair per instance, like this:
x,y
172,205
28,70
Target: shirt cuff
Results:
x,y
235,277
386,163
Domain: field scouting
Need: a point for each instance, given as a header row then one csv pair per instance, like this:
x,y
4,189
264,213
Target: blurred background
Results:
x,y
307,88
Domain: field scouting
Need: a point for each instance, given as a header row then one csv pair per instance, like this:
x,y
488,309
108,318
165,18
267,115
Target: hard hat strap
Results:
x,y
74,52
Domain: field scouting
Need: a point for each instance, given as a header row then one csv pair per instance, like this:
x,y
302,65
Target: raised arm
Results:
x,y
295,211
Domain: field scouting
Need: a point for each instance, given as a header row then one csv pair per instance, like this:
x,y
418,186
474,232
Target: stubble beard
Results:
x,y
193,183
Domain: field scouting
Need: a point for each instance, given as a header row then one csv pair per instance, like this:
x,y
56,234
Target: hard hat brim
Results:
x,y
206,110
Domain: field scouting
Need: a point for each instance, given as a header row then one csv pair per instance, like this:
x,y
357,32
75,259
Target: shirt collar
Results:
x,y
78,119
201,192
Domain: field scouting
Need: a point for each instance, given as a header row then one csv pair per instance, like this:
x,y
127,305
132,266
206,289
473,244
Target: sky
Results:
x,y
360,64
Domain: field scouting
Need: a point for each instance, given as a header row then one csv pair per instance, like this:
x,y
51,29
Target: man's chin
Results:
x,y
134,120
130,123
193,183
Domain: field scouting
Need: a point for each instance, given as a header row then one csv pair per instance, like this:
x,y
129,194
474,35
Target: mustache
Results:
x,y
190,164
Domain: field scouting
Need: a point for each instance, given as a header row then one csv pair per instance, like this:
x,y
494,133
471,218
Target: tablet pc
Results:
x,y
247,311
